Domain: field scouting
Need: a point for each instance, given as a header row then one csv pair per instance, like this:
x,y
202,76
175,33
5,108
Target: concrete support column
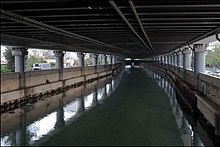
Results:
x,y
175,59
171,59
168,59
104,59
186,58
81,59
161,58
59,60
199,58
111,59
19,54
94,59
179,59
165,59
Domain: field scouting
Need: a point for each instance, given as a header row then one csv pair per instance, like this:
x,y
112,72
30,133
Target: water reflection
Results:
x,y
28,125
186,125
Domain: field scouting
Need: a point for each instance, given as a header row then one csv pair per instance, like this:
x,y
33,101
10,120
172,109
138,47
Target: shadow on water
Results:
x,y
34,122
192,134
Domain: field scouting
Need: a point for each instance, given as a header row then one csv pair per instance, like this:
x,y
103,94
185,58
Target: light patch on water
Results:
x,y
70,110
88,101
42,127
5,141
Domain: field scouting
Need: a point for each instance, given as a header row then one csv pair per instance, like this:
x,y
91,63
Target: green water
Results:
x,y
137,113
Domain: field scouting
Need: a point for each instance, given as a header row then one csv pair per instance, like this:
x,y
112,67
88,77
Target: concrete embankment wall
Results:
x,y
199,93
35,83
48,105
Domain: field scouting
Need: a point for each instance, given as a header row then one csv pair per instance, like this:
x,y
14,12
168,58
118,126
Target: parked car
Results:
x,y
41,66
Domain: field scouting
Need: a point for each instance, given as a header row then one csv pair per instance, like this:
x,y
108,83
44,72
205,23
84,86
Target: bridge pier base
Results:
x,y
59,62
104,59
19,54
179,59
199,59
81,59
94,59
186,58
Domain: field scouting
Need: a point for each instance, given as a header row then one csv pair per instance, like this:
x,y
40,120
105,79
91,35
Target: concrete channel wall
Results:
x,y
35,83
199,93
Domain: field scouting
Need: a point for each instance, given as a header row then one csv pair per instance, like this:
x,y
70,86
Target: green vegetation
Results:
x,y
213,57
52,64
7,54
4,69
33,59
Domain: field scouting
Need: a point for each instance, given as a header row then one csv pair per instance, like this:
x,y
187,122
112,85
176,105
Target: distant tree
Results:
x,y
4,69
53,64
32,60
213,57
7,54
88,61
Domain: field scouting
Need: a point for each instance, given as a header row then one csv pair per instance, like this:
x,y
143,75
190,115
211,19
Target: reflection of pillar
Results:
x,y
196,140
164,86
199,58
174,98
81,59
184,127
60,115
113,84
21,133
80,105
110,88
177,112
104,92
171,90
161,81
95,97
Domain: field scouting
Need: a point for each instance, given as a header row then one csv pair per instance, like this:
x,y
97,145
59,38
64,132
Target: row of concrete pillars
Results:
x,y
185,59
20,53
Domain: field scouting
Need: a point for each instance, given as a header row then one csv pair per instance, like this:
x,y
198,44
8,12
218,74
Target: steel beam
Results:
x,y
129,25
139,22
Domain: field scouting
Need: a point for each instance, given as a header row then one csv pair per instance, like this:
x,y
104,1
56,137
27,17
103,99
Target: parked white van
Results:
x,y
41,66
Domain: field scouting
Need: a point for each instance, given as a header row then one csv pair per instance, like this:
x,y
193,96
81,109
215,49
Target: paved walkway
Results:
x,y
137,113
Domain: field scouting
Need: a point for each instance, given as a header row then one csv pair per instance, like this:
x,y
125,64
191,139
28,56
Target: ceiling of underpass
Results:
x,y
135,29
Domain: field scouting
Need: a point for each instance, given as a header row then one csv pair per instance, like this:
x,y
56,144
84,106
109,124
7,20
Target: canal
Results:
x,y
136,107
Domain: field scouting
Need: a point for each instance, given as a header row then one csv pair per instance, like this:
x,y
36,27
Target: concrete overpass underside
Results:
x,y
135,29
